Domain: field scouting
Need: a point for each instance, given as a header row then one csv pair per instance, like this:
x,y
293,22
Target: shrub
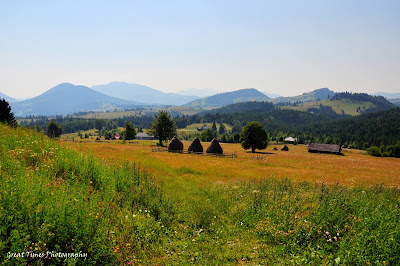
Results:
x,y
374,151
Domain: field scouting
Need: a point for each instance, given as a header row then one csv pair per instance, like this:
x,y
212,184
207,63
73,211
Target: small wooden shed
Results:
x,y
324,148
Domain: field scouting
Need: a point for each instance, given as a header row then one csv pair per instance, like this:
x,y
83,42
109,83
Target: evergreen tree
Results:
x,y
214,127
6,116
221,129
130,131
54,130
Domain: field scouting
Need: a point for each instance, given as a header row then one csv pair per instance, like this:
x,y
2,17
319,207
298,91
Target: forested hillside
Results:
x,y
242,107
372,129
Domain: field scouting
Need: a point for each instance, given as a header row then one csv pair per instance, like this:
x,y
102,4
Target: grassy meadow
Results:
x,y
349,107
123,204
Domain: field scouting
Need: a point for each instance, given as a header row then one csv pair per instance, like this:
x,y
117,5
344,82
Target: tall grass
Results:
x,y
55,199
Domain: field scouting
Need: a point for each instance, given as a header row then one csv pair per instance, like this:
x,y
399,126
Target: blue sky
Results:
x,y
283,47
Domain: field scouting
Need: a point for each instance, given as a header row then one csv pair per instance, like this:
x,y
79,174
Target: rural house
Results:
x,y
204,127
324,148
144,136
290,140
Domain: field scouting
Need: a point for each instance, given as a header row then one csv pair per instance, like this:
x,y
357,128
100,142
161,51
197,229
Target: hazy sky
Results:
x,y
283,47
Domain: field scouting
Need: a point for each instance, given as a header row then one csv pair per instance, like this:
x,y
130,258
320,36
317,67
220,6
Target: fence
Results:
x,y
228,155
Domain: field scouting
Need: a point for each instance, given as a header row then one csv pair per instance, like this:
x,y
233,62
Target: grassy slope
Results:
x,y
349,107
55,199
222,218
208,212
193,127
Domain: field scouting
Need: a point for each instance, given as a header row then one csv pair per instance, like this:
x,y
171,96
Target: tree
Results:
x,y
236,127
253,136
6,116
130,131
221,129
99,124
163,127
54,130
214,127
207,135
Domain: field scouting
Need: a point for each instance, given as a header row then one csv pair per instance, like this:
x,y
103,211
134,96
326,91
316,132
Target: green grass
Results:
x,y
54,198
193,127
349,107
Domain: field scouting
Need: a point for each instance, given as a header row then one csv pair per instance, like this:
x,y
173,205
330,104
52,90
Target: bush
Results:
x,y
374,151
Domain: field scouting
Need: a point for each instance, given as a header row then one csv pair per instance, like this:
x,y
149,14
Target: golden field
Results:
x,y
354,168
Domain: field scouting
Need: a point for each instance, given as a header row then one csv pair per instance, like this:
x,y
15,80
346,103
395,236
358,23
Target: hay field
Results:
x,y
354,168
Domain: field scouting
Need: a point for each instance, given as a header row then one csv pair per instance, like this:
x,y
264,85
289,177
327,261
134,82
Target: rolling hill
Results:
x,y
345,104
316,95
143,94
7,98
67,98
226,98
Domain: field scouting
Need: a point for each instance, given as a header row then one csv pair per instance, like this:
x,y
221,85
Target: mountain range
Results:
x,y
143,94
7,98
67,98
201,93
388,95
226,98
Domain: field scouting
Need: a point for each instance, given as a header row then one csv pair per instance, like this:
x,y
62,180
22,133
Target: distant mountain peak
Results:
x,y
66,98
226,98
315,95
142,94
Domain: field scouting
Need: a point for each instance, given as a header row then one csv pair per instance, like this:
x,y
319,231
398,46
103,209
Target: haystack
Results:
x,y
175,145
284,148
195,146
274,149
214,147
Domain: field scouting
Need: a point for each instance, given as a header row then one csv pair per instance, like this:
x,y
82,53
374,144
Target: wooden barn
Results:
x,y
324,148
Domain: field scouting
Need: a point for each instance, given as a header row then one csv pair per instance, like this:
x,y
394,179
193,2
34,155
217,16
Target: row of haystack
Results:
x,y
176,145
284,148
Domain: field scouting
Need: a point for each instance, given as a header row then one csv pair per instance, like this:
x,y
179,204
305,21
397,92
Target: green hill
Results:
x,y
316,95
345,104
227,98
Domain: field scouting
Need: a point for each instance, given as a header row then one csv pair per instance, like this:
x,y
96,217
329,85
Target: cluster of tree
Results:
x,y
73,124
242,107
327,112
385,151
361,132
